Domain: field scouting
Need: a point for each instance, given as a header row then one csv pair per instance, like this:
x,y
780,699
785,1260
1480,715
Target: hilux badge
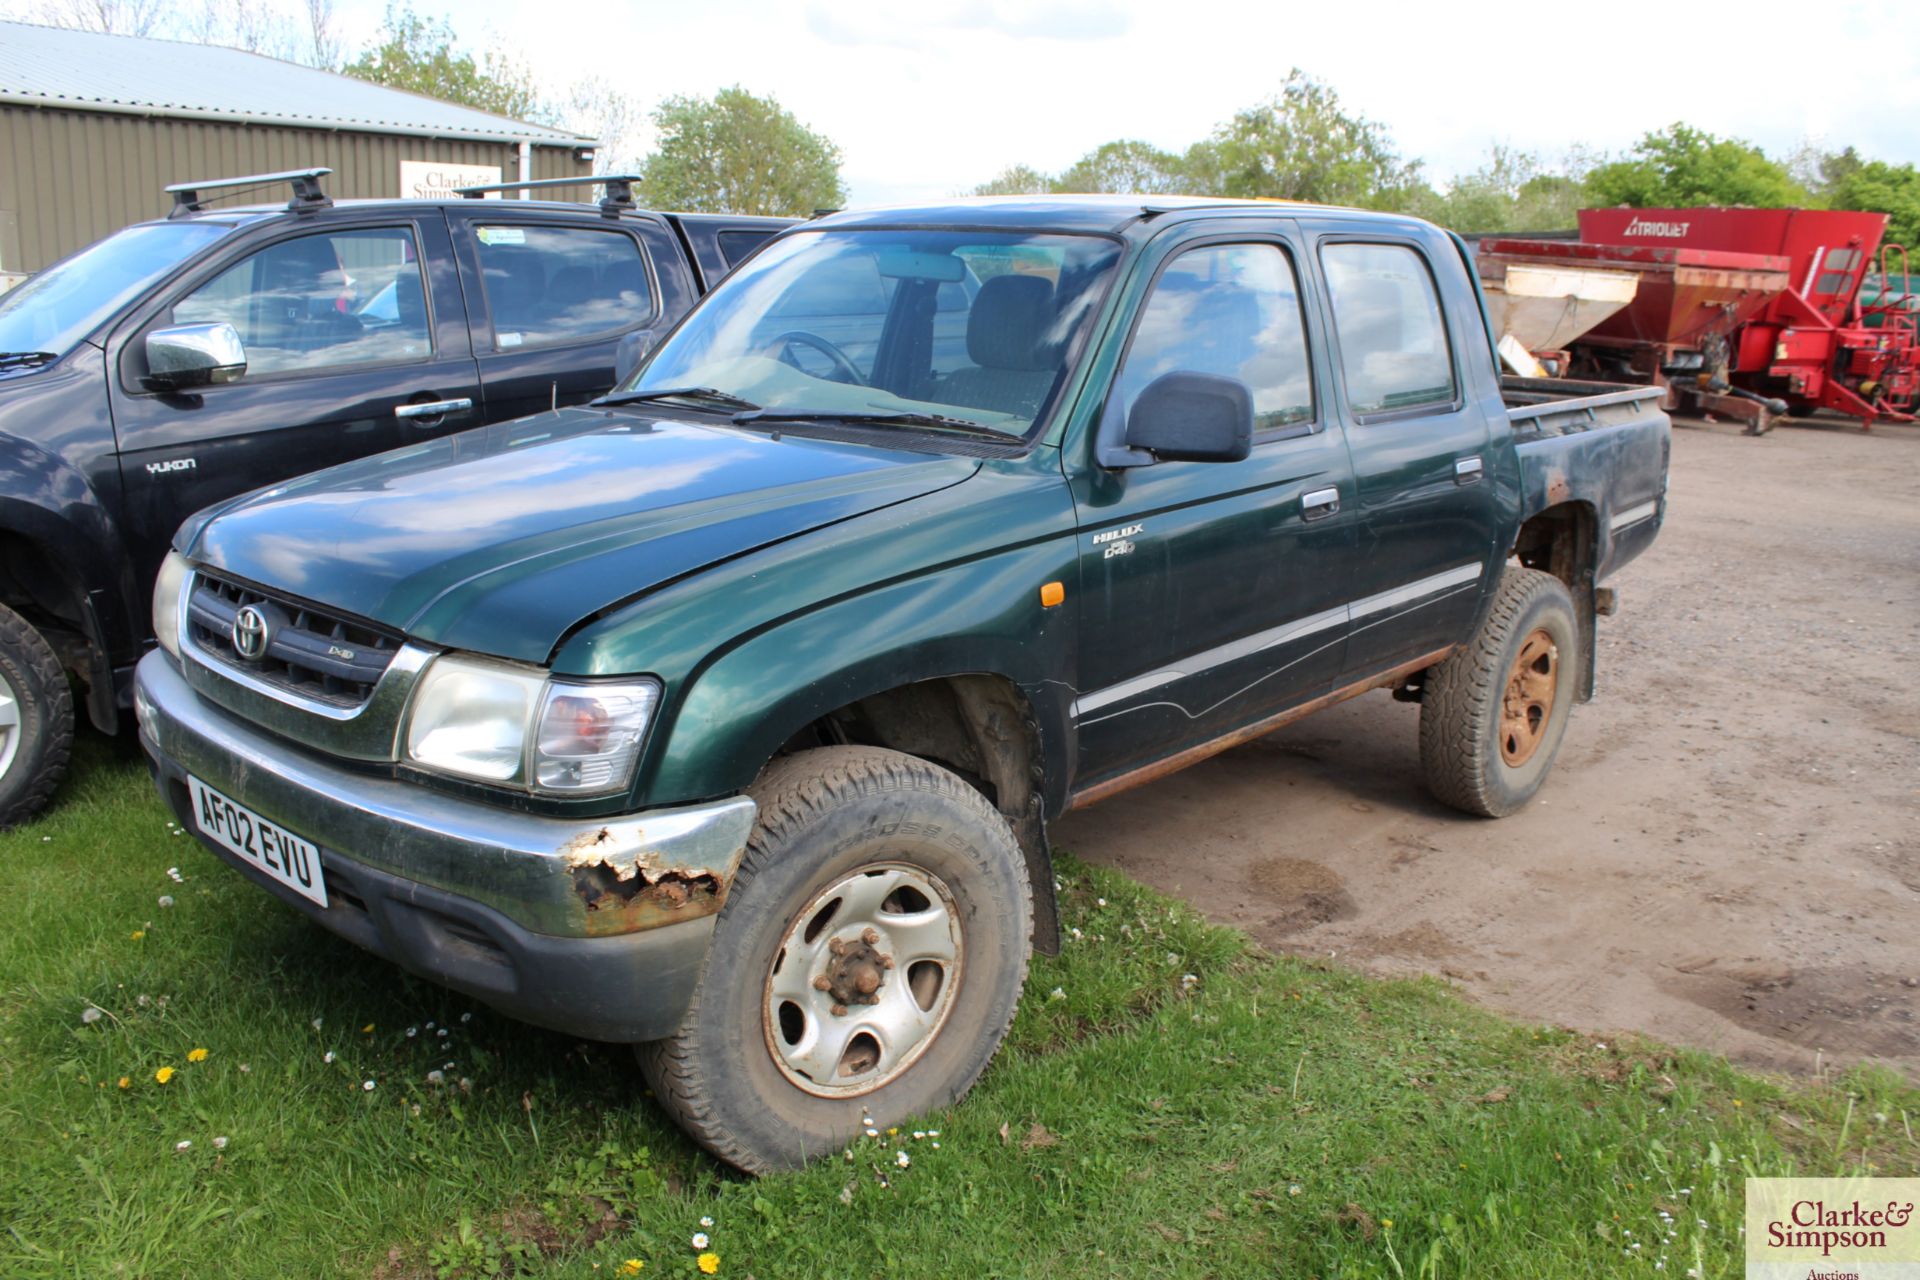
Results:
x,y
251,634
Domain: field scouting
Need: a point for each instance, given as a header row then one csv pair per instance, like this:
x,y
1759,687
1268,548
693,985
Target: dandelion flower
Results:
x,y
163,1075
709,1263
245,1070
706,1222
632,1267
1738,1103
316,1024
166,899
699,1240
219,1144
126,1082
436,1077
196,1055
367,1030
139,934
1386,1224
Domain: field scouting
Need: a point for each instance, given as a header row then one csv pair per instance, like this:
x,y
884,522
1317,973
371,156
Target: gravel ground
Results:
x,y
1727,855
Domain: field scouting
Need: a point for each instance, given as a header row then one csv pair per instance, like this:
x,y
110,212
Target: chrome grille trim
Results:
x,y
367,731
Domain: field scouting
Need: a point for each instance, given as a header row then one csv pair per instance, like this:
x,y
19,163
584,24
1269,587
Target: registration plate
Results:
x,y
281,854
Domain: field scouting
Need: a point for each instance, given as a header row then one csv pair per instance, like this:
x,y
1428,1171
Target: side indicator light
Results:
x,y
1052,594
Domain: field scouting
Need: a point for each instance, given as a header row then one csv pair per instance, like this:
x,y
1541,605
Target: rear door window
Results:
x,y
321,302
1394,352
737,244
551,285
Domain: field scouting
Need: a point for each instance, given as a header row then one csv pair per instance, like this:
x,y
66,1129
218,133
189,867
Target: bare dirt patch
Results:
x,y
1726,855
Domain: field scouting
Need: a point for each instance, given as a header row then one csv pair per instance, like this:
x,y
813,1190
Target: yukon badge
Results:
x,y
162,468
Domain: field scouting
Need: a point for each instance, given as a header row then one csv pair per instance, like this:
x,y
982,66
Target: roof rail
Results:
x,y
619,197
307,195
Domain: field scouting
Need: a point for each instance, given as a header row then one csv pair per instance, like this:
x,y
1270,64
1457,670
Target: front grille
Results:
x,y
309,652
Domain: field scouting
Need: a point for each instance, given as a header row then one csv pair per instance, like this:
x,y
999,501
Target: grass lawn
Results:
x,y
1261,1117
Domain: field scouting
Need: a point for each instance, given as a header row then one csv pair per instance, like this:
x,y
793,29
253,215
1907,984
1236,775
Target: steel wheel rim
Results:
x,y
1526,708
882,945
9,725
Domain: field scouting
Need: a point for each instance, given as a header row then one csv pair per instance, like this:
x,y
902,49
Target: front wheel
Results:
x,y
865,967
1494,712
36,720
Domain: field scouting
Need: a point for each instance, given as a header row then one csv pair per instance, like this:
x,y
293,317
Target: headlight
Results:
x,y
166,601
512,726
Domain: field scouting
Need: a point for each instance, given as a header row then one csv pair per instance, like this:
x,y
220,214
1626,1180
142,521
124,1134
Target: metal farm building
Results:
x,y
92,127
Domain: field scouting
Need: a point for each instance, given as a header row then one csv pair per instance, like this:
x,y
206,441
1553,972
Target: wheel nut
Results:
x,y
838,1011
886,962
836,946
870,936
821,984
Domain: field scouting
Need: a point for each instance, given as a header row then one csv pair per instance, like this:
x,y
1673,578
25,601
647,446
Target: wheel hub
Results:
x,y
1526,707
855,971
863,980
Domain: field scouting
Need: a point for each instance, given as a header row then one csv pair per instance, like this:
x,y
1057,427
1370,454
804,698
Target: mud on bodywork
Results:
x,y
624,891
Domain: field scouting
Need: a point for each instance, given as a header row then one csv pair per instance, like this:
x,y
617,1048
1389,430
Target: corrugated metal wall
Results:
x,y
68,178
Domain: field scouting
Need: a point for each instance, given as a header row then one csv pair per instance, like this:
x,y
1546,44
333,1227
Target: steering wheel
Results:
x,y
847,369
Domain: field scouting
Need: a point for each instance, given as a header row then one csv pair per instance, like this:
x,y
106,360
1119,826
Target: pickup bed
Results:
x,y
726,715
181,362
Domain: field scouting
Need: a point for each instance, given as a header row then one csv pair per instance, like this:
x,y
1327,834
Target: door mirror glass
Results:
x,y
194,355
627,356
1192,417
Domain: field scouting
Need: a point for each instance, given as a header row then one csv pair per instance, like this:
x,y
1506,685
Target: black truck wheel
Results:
x,y
36,720
1493,713
865,967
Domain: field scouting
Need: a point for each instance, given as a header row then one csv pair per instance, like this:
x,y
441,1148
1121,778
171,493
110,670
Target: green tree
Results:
x,y
737,153
1682,166
1301,145
1879,187
1125,167
418,54
1016,180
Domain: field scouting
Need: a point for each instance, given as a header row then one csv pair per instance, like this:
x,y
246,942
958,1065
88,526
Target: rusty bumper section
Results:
x,y
559,877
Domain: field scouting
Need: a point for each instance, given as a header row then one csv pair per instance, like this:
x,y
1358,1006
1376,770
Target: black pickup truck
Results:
x,y
180,362
726,715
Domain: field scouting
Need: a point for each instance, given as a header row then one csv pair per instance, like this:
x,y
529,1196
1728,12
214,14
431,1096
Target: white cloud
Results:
x,y
929,99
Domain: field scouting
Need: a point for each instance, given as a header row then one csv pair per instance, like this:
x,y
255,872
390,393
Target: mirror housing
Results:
x,y
627,356
1192,417
194,355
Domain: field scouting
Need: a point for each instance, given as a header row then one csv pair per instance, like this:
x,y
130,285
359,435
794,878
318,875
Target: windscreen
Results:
x,y
972,325
63,304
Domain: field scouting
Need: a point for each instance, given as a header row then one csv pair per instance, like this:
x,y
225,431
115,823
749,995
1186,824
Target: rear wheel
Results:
x,y
866,965
1494,713
36,720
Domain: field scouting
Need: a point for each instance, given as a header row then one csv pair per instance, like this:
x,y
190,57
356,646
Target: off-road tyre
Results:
x,y
1461,723
823,815
43,707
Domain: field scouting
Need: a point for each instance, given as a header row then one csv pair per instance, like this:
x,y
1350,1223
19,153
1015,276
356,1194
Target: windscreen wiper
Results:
x,y
883,418
35,358
695,395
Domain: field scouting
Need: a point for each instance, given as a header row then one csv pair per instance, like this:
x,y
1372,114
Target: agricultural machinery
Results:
x,y
1750,313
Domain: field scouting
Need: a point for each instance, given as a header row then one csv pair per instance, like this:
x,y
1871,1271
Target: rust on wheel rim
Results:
x,y
1527,705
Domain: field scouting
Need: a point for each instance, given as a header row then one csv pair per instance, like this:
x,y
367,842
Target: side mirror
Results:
x,y
627,356
194,355
1192,417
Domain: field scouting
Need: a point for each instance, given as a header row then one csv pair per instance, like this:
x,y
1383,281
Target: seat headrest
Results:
x,y
1008,328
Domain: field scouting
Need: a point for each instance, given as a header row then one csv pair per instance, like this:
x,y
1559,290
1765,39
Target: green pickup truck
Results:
x,y
725,716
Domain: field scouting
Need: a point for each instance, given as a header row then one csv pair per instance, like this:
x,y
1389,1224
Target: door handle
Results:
x,y
1467,470
1319,504
433,408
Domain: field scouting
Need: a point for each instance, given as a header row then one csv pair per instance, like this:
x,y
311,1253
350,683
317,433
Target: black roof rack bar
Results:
x,y
307,194
619,187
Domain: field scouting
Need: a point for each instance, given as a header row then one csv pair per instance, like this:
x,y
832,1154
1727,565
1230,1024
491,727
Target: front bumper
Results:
x,y
593,928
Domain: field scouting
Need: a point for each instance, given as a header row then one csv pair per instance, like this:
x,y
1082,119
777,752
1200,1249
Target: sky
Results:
x,y
927,98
